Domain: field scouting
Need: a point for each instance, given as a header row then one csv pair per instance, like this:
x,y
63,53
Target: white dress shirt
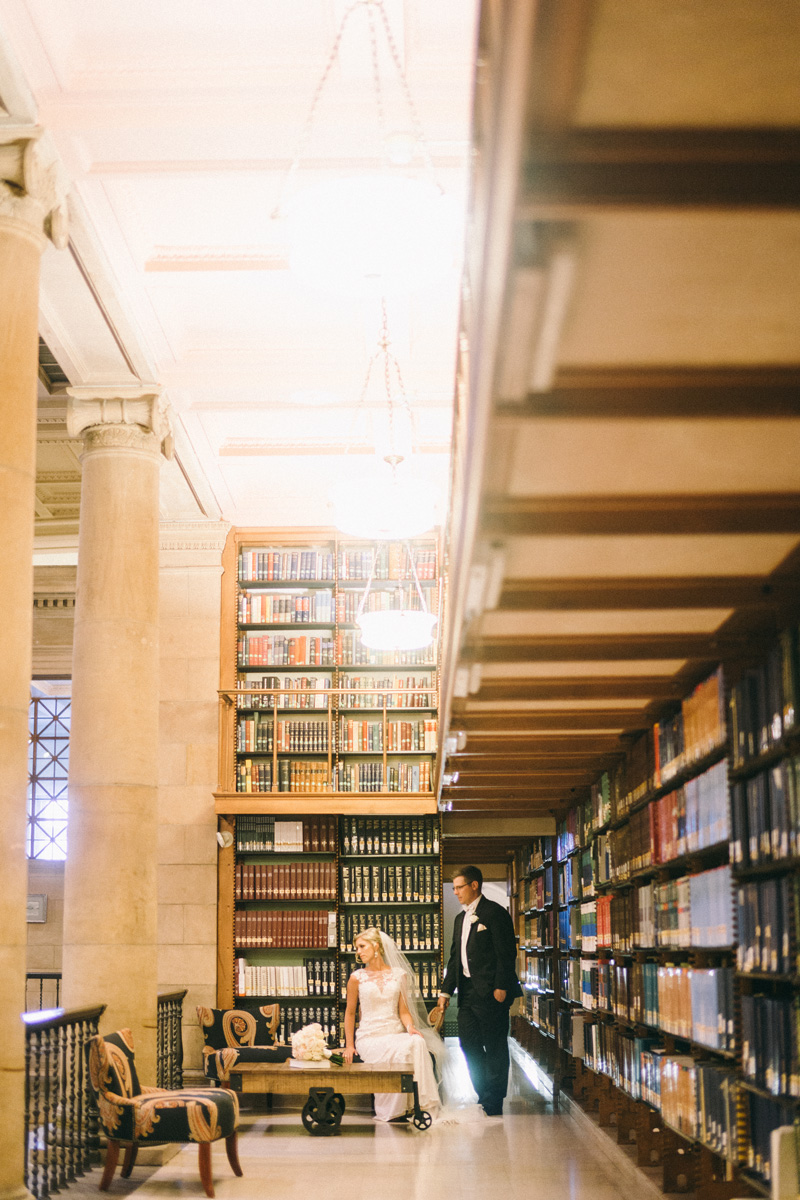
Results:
x,y
465,928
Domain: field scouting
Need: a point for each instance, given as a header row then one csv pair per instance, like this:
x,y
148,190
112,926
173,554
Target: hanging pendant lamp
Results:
x,y
402,628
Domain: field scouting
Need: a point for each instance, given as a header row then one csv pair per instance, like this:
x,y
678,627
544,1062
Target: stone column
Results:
x,y
191,570
29,212
110,897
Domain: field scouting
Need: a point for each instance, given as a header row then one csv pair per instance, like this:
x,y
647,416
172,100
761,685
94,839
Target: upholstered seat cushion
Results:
x,y
129,1113
219,1063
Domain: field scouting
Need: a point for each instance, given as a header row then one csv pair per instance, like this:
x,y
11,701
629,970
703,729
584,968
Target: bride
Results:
x,y
393,1026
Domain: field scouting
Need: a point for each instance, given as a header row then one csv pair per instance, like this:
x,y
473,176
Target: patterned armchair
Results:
x,y
233,1035
136,1115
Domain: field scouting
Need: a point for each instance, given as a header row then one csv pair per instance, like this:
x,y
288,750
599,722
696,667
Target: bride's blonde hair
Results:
x,y
373,936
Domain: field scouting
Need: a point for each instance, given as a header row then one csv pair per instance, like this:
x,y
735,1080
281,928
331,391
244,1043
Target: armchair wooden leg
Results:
x,y
112,1156
129,1161
232,1151
204,1154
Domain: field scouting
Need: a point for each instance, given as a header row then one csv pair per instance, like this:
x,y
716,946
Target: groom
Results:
x,y
482,969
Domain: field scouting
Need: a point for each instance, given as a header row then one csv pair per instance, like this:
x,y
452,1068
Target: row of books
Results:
x,y
689,1002
425,971
537,892
399,777
569,881
347,603
766,815
691,818
536,932
389,883
389,561
285,881
293,775
693,732
287,608
764,704
398,691
411,931
390,835
697,1099
538,973
315,977
350,649
770,1028
281,650
541,1011
531,858
401,736
296,691
695,910
569,928
273,929
254,735
294,1017
314,691
765,912
265,834
570,974
763,1116
268,565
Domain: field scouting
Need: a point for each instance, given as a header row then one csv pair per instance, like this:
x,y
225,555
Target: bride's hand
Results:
x,y
411,1031
348,1053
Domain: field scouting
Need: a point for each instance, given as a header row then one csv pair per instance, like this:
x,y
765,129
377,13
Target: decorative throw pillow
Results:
x,y
234,1027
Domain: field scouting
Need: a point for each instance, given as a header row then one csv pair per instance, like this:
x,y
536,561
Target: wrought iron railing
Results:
x,y
169,1040
61,1129
42,990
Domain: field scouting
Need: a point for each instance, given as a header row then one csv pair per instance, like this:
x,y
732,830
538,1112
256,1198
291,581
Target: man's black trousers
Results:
x,y
483,1034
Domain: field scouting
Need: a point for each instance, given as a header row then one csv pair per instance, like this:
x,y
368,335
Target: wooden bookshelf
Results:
x,y
685,1030
346,717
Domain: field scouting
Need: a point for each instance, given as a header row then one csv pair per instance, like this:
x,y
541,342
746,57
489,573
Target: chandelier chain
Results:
x,y
376,73
419,132
305,133
416,123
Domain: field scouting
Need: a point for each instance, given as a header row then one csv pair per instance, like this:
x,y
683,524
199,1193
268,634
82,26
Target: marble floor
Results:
x,y
530,1152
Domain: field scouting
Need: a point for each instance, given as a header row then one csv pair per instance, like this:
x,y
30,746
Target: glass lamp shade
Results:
x,y
371,235
397,629
382,504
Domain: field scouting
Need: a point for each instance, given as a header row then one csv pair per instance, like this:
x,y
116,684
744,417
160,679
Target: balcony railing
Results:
x,y
169,1039
42,990
61,1131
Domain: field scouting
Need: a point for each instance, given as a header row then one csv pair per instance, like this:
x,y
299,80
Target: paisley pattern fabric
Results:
x,y
129,1113
234,1035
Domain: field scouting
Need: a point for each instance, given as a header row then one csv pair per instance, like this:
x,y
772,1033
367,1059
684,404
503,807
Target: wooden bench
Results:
x,y
327,1088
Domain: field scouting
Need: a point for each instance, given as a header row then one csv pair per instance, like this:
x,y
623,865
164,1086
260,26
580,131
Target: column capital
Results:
x,y
120,415
33,194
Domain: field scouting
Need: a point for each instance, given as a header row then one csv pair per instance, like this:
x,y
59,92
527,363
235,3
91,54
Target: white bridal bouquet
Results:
x,y
308,1046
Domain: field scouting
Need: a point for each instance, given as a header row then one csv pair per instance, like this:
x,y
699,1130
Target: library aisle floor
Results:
x,y
531,1151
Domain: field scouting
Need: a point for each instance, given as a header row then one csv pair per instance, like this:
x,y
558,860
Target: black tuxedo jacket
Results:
x,y
491,953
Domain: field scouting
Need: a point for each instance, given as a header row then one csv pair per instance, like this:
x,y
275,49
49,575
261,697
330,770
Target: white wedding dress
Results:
x,y
381,1038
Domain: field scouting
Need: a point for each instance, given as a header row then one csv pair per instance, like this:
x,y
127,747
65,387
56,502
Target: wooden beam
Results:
x,y
698,591
594,687
517,721
584,170
765,512
561,34
760,399
563,746
602,648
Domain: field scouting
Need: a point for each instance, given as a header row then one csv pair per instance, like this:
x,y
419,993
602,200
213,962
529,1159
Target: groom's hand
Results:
x,y
499,995
443,1002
